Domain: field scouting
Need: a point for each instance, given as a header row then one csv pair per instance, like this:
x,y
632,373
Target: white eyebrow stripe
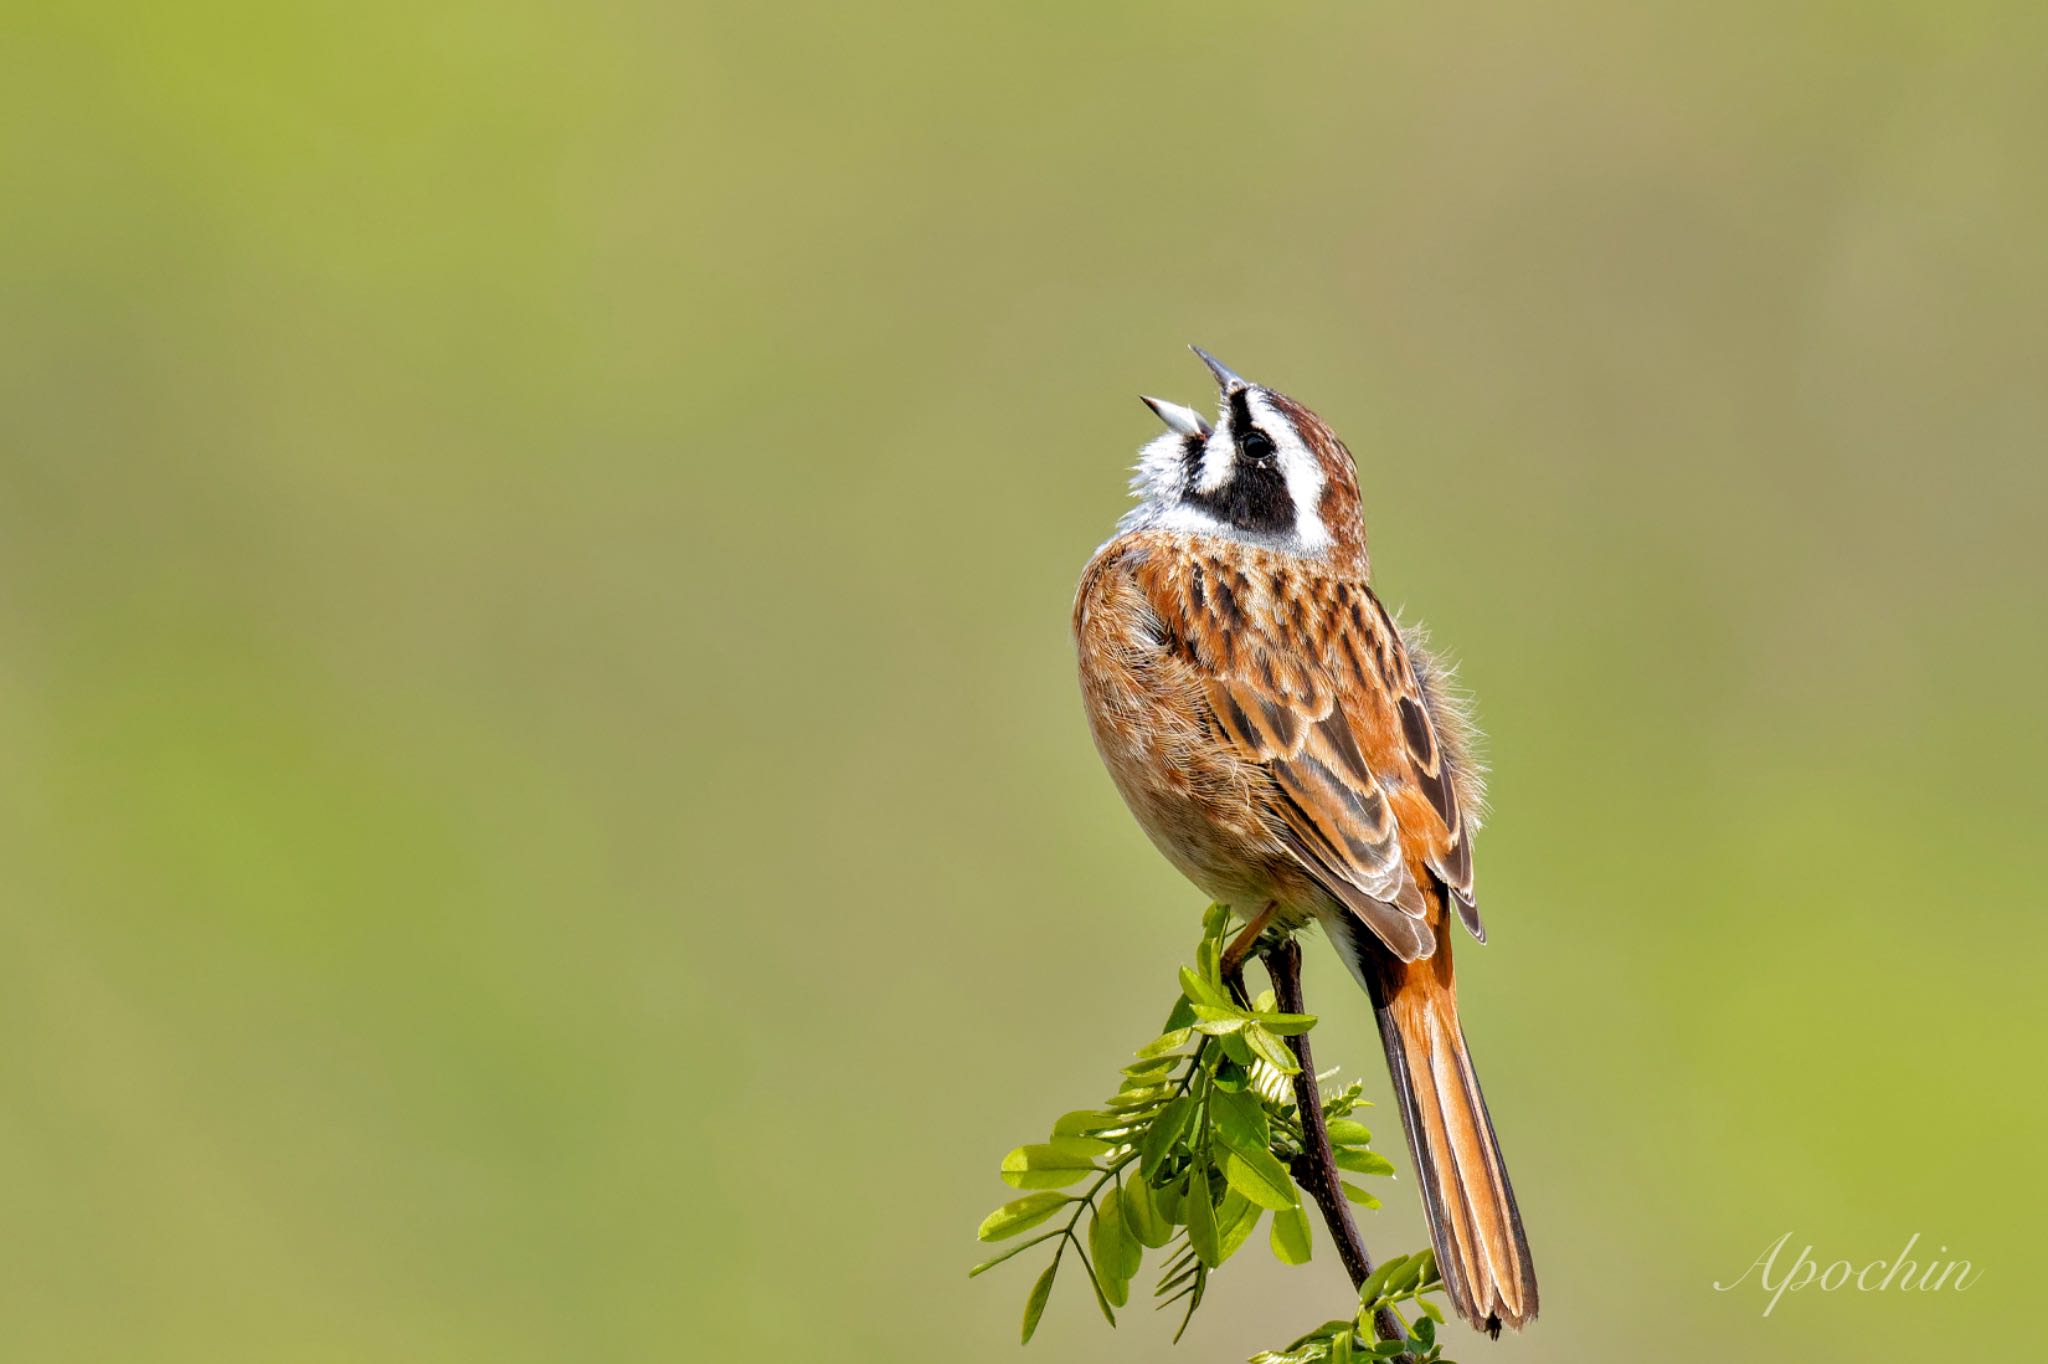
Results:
x,y
1298,463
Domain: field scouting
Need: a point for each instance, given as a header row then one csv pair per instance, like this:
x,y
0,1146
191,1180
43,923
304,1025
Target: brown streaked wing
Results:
x,y
1283,710
1334,807
1447,853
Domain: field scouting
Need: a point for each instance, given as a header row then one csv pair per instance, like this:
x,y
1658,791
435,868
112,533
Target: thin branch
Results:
x,y
1316,1168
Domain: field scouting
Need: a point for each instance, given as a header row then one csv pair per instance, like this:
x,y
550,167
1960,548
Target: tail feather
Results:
x,y
1473,1218
1474,1222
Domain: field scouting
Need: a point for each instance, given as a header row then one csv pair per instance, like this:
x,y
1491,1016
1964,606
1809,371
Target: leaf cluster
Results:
x,y
1402,1279
1195,1147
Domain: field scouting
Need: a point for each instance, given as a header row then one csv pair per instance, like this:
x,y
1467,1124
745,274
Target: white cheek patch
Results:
x,y
1219,456
1157,477
1158,481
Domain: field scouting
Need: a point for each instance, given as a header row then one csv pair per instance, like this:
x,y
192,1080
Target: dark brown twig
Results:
x,y
1315,1169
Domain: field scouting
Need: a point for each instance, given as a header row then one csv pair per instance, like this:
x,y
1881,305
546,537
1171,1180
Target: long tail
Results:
x,y
1473,1221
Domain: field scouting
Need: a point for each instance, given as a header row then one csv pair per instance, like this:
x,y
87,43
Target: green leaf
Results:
x,y
1436,1314
1082,1122
1166,1042
1240,1120
1217,1022
1168,1199
1127,1099
1200,992
1215,919
1290,1237
1142,1216
1345,1132
1017,1249
1232,1078
1287,1025
1405,1277
1101,1298
1260,1178
1201,1216
1131,1255
1087,1148
1045,1166
1020,1215
1370,1291
1271,1050
1180,1271
1310,1346
1180,1016
1361,1161
1358,1195
1193,1292
1341,1351
1165,1133
1106,1248
1235,1220
1387,1349
1034,1306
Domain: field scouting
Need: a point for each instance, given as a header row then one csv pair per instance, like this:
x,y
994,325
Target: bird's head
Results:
x,y
1267,473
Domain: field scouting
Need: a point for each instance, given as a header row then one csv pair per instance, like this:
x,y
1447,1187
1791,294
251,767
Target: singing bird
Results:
x,y
1299,757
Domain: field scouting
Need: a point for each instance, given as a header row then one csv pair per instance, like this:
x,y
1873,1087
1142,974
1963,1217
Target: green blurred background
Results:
x,y
546,815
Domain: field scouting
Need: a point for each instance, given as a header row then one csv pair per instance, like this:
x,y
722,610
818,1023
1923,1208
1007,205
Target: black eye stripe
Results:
x,y
1240,413
1252,443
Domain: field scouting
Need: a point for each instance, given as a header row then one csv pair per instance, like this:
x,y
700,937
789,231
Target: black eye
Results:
x,y
1256,446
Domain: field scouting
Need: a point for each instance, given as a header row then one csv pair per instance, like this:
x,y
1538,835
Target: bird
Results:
x,y
1303,758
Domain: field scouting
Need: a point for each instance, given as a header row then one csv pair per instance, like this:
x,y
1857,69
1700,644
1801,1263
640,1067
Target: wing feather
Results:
x,y
1297,712
1314,682
1430,764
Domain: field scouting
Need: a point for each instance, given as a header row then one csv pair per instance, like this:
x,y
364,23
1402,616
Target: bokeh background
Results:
x,y
544,814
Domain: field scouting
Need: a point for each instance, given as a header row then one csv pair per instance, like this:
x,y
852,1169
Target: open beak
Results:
x,y
1177,418
1225,380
